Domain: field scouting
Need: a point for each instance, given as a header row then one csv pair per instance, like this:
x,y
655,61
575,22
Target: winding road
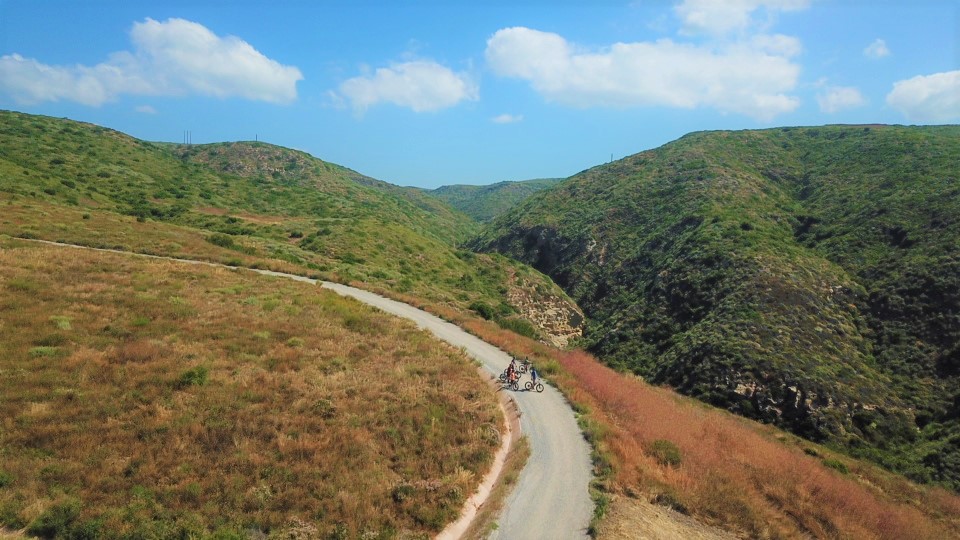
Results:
x,y
551,500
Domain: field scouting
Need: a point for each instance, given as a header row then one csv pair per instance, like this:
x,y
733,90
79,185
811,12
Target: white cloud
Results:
x,y
749,78
145,109
29,81
507,118
777,45
838,98
420,85
928,98
721,17
187,54
175,57
877,49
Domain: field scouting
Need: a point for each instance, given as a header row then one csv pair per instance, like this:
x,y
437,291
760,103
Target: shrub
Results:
x,y
51,340
837,465
483,309
5,479
402,492
550,367
665,452
196,376
519,326
87,530
10,515
55,521
350,258
670,500
222,240
44,351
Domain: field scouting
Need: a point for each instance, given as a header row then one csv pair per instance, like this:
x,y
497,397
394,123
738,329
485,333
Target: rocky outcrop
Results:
x,y
558,318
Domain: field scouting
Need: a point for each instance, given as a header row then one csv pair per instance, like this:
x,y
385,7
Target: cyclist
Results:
x,y
533,375
511,372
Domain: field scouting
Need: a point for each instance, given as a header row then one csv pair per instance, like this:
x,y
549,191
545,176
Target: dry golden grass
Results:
x,y
152,398
748,478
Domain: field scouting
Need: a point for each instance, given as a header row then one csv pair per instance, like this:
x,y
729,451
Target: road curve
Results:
x,y
551,500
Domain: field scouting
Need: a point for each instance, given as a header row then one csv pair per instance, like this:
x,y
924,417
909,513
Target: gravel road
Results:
x,y
551,500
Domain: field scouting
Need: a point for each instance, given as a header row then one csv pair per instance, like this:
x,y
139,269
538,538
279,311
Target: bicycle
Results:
x,y
531,386
513,385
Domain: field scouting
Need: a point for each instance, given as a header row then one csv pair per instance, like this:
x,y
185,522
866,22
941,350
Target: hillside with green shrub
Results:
x,y
484,203
246,204
807,277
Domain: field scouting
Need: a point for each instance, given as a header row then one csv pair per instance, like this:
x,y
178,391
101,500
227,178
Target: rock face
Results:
x,y
559,319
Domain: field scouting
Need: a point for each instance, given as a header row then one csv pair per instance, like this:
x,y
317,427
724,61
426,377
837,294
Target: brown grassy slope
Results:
x,y
749,478
163,399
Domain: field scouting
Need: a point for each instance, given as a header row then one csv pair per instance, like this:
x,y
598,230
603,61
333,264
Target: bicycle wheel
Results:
x,y
528,385
516,386
539,387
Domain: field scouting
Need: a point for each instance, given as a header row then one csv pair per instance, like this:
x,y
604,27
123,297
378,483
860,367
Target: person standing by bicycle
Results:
x,y
533,375
511,372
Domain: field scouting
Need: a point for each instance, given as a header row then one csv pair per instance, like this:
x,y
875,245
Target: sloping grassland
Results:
x,y
146,398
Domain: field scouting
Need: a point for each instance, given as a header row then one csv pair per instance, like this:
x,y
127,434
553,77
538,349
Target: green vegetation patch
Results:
x,y
806,277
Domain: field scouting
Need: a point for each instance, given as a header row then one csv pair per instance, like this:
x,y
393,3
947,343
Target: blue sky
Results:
x,y
444,92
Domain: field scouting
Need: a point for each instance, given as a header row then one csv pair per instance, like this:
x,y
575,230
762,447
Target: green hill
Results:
x,y
249,204
484,203
807,277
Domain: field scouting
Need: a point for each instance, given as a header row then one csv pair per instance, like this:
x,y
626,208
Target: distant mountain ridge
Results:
x,y
808,277
484,203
